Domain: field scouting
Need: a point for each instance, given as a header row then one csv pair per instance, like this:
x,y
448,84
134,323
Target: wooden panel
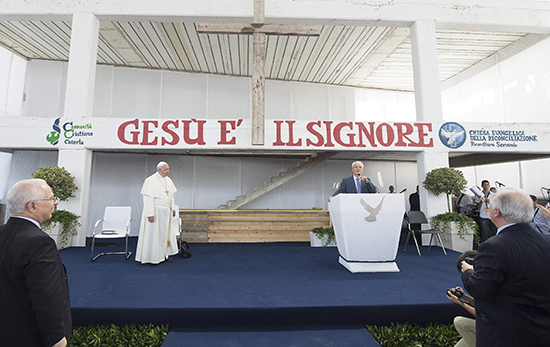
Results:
x,y
266,225
194,239
259,237
251,225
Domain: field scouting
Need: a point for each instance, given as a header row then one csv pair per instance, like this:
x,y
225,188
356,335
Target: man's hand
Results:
x,y
453,298
364,178
61,343
466,266
330,197
151,219
174,213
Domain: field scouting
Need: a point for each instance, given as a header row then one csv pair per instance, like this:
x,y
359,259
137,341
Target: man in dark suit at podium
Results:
x,y
356,184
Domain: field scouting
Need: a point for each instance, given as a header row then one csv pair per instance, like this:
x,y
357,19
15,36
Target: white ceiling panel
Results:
x,y
371,57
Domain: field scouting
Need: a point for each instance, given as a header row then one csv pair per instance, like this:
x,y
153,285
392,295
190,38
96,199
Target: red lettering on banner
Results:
x,y
224,131
199,140
369,134
338,136
315,133
167,130
122,130
291,134
402,134
329,143
389,134
146,132
422,134
320,133
278,141
291,142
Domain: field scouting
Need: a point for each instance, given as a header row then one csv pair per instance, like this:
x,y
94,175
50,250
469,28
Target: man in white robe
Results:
x,y
157,233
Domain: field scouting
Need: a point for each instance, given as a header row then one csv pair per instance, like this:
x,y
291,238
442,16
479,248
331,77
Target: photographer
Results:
x,y
466,327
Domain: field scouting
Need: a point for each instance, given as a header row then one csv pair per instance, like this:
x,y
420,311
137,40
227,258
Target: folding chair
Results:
x,y
418,217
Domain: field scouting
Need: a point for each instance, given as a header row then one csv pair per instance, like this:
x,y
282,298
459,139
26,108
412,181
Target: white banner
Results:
x,y
227,134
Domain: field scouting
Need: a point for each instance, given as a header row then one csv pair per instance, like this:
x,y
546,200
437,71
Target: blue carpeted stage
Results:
x,y
259,287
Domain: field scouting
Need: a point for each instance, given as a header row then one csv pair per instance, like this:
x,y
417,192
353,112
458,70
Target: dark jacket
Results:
x,y
511,286
414,201
348,186
34,292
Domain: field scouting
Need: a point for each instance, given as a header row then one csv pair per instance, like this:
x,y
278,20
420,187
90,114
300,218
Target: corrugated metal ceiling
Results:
x,y
373,57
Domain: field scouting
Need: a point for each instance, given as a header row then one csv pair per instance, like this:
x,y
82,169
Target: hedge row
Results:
x,y
414,335
396,335
111,335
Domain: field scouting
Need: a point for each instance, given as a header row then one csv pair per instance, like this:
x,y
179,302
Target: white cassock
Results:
x,y
157,240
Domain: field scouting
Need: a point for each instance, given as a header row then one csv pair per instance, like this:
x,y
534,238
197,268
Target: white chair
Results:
x,y
115,224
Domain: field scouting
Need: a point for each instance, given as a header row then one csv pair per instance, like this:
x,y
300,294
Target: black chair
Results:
x,y
418,217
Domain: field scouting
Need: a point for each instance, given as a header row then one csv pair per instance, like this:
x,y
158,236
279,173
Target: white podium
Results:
x,y
367,229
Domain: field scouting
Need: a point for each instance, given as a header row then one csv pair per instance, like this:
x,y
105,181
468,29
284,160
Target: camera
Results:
x,y
469,261
456,292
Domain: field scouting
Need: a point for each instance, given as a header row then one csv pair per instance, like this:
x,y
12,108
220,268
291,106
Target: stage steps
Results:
x,y
318,336
251,225
276,181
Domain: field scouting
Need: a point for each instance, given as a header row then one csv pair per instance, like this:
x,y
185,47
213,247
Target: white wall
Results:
x,y
515,90
142,93
12,81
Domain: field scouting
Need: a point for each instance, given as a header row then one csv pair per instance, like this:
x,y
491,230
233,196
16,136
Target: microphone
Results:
x,y
500,184
404,190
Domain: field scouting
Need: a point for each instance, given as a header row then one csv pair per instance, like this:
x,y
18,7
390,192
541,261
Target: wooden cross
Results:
x,y
258,29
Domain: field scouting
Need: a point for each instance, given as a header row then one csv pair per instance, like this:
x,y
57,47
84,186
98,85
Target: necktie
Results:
x,y
358,185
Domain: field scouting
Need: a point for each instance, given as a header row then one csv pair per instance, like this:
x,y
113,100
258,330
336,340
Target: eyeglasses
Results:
x,y
54,199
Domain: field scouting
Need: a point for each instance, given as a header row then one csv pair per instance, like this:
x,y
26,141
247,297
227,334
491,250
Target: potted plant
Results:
x,y
459,230
64,224
322,237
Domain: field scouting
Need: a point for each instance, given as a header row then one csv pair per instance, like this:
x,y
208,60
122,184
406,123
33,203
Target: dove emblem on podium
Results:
x,y
373,210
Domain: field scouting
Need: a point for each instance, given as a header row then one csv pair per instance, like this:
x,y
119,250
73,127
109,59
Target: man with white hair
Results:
x,y
157,234
356,184
510,278
34,292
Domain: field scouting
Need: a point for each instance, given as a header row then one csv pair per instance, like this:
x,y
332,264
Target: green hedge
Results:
x,y
396,335
414,335
121,336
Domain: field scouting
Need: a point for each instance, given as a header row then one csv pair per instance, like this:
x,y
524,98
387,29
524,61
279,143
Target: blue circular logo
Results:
x,y
452,135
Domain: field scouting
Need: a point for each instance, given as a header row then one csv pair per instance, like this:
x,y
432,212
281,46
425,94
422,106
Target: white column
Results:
x,y
427,161
79,96
78,162
79,100
428,107
427,92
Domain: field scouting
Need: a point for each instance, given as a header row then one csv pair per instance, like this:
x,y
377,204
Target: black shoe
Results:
x,y
169,259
